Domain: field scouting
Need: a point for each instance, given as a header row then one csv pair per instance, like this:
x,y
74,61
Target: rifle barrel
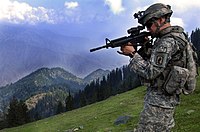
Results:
x,y
98,48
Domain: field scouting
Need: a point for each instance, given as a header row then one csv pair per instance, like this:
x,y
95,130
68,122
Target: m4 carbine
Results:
x,y
136,37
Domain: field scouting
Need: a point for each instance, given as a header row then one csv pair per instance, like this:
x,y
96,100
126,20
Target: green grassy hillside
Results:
x,y
100,117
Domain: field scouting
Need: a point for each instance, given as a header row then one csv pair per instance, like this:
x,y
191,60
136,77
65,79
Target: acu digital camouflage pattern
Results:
x,y
153,119
188,58
192,66
154,11
176,80
159,105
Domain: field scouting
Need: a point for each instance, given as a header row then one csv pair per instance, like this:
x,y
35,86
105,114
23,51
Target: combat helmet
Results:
x,y
154,11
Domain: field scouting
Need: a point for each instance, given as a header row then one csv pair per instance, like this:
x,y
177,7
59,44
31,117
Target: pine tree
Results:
x,y
83,100
103,90
69,102
60,108
17,113
3,122
195,39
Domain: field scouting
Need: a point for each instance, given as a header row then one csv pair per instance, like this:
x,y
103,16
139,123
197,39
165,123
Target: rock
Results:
x,y
122,120
190,111
74,129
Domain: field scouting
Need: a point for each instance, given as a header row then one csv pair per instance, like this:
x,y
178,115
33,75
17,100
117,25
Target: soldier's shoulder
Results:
x,y
165,44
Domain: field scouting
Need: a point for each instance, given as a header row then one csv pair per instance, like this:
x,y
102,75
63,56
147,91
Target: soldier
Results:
x,y
157,71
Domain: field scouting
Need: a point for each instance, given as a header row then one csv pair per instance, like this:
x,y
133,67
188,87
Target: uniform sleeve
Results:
x,y
161,54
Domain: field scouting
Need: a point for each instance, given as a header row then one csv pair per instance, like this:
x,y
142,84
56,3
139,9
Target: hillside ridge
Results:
x,y
43,81
101,115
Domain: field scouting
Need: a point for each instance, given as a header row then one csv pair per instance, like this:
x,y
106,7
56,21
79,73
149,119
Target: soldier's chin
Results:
x,y
153,34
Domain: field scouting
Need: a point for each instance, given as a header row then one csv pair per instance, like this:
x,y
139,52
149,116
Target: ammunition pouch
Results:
x,y
176,80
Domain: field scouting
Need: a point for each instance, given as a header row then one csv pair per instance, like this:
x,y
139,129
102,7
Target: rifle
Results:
x,y
136,37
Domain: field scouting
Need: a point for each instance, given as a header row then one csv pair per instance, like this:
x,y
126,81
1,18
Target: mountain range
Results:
x,y
25,49
45,82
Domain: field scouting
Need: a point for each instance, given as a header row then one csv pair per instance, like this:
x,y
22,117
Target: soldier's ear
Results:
x,y
161,20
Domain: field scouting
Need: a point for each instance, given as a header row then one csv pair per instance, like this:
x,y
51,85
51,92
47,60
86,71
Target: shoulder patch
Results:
x,y
162,52
159,59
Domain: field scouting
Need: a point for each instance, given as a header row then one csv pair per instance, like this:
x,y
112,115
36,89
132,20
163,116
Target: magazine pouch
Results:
x,y
176,80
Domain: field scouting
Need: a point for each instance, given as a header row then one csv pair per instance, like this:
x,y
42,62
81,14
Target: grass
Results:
x,y
188,112
100,117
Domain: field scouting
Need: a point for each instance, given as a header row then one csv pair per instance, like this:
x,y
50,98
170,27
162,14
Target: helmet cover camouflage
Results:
x,y
154,11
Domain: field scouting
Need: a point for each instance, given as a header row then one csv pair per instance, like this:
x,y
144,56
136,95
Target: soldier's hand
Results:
x,y
127,50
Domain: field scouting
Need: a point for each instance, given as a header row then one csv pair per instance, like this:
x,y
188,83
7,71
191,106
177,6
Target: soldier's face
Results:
x,y
151,27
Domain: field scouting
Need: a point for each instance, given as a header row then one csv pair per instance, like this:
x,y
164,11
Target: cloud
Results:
x,y
115,6
185,10
16,12
72,13
71,5
181,6
177,21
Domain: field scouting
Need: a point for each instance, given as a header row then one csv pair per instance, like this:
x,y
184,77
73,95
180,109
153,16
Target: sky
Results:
x,y
92,19
92,14
76,11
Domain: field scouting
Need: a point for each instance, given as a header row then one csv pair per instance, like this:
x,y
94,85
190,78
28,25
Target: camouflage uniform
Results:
x,y
159,105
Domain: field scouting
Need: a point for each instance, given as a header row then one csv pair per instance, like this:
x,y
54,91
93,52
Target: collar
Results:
x,y
170,29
